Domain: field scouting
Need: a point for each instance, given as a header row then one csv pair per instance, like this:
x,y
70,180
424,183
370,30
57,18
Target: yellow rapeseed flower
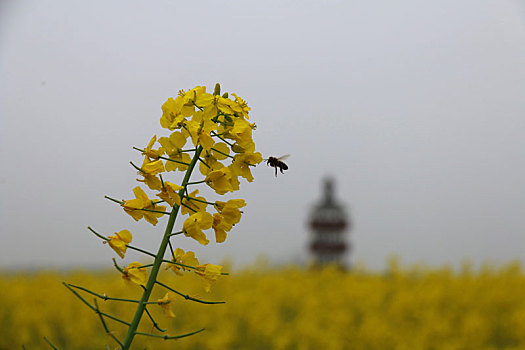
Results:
x,y
196,96
224,105
241,107
215,105
230,210
210,273
173,145
220,151
133,207
135,273
242,162
172,117
170,193
149,170
165,304
194,225
181,257
242,133
221,227
200,132
196,204
219,180
153,168
212,157
151,153
209,163
119,242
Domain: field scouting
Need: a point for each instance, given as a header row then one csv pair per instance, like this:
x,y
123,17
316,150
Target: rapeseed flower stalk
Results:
x,y
217,127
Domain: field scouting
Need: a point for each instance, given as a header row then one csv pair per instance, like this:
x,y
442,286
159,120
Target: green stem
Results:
x,y
162,182
132,330
108,332
114,200
102,296
93,308
118,267
136,167
98,235
166,337
140,250
164,158
141,266
196,182
215,134
154,211
224,154
51,344
198,200
179,264
143,209
189,266
155,324
172,253
174,161
203,162
187,297
187,206
200,108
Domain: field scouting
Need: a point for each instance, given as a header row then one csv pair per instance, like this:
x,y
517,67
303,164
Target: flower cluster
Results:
x,y
206,132
221,135
220,138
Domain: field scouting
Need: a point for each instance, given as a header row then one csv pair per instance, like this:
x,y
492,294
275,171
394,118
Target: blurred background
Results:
x,y
413,109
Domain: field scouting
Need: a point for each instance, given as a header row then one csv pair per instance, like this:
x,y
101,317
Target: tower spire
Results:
x,y
328,224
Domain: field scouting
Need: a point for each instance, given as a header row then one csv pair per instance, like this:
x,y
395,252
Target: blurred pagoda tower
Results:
x,y
328,225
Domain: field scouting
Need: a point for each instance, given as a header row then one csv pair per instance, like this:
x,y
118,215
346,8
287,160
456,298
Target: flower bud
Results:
x,y
217,90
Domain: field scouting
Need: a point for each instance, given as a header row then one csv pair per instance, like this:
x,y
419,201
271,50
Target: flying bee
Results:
x,y
277,163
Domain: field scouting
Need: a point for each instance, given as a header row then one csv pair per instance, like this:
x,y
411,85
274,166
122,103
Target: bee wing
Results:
x,y
283,157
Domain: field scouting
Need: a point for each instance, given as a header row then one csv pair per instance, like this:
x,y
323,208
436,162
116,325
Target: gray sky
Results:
x,y
415,107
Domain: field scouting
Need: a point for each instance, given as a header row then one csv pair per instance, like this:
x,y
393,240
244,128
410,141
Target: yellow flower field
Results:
x,y
289,308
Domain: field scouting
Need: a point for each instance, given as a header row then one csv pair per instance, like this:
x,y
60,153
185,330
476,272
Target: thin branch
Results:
x,y
102,296
92,307
196,182
200,108
187,297
114,200
143,209
108,332
154,211
187,206
171,248
190,267
224,154
203,162
215,134
136,167
98,235
140,250
118,267
164,158
155,324
198,200
50,344
166,337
